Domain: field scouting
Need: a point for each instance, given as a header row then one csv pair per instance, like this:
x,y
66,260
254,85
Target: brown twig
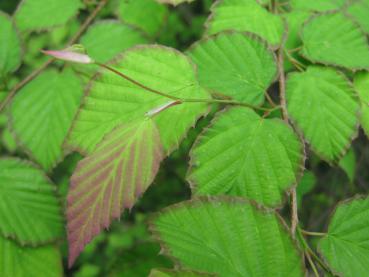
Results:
x,y
37,71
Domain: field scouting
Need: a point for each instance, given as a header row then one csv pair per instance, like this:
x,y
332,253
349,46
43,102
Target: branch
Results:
x,y
36,72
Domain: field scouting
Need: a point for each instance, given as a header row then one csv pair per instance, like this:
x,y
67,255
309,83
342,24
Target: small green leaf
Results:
x,y
30,211
110,180
35,15
112,100
105,39
346,245
17,261
306,184
361,82
10,48
236,65
148,15
359,10
348,164
317,5
245,16
42,113
245,155
227,236
335,40
323,105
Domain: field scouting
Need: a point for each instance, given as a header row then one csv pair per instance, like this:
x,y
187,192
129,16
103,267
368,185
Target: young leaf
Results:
x,y
110,180
245,15
29,210
112,100
348,164
359,10
323,105
42,113
228,237
361,82
317,5
234,64
177,273
334,39
105,39
10,49
346,245
17,261
148,15
245,155
35,15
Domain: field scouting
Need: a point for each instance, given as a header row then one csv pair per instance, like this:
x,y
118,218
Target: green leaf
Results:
x,y
105,39
17,261
245,155
245,16
51,102
176,273
148,15
35,15
10,48
346,245
110,180
236,65
348,164
112,100
295,21
359,10
334,39
306,184
29,211
361,83
227,236
324,107
317,5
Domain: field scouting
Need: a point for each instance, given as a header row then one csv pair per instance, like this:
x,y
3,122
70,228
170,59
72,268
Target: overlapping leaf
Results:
x,y
10,49
348,164
29,211
346,245
17,261
359,10
105,39
51,102
147,15
111,179
245,155
323,105
44,14
335,40
112,100
245,15
228,237
236,65
306,184
317,5
361,83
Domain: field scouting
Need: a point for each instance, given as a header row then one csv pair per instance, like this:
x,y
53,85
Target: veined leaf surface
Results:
x,y
228,237
243,154
30,211
110,180
324,107
234,64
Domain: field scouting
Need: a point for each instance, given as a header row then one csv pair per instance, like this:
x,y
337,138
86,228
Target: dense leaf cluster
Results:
x,y
282,82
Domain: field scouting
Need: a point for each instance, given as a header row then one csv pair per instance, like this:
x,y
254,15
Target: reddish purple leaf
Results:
x,y
110,180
